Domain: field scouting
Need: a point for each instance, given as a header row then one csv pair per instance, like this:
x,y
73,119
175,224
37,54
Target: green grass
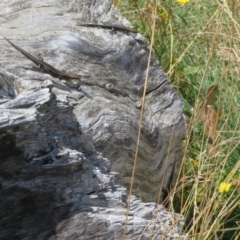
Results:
x,y
198,45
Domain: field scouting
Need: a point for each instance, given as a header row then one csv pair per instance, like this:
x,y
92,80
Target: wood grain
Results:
x,y
67,147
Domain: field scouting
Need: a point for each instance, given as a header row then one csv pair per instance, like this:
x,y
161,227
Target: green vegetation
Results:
x,y
198,44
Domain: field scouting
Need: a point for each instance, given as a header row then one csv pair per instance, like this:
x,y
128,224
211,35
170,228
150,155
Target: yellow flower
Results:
x,y
194,162
164,14
183,2
224,187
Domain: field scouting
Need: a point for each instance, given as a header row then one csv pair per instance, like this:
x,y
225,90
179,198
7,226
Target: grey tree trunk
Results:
x,y
67,145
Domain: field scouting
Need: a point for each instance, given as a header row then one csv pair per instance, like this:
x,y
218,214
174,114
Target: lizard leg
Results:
x,y
41,59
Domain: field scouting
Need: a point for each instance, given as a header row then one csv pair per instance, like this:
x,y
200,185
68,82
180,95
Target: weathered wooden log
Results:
x,y
67,145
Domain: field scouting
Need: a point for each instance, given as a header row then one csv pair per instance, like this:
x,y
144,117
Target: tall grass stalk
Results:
x,y
198,45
